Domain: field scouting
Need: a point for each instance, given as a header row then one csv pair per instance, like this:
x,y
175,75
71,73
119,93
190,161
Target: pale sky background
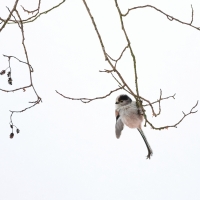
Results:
x,y
67,149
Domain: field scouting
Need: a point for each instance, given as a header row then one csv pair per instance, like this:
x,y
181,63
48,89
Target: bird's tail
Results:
x,y
150,152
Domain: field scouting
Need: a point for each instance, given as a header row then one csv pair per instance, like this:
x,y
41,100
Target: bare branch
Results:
x,y
21,27
15,18
99,36
175,125
173,96
17,59
21,88
107,71
114,70
104,51
192,14
150,104
132,54
88,100
32,11
171,18
9,16
120,54
35,103
35,16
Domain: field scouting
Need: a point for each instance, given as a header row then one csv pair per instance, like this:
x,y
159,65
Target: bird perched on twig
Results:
x,y
127,112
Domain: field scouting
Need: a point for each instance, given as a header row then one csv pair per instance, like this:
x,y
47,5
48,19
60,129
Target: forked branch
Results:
x,y
14,14
121,81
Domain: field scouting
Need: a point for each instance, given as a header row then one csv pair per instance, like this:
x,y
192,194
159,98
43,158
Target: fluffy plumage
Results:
x,y
127,112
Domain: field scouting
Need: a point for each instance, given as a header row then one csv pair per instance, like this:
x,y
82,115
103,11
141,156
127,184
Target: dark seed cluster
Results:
x,y
12,127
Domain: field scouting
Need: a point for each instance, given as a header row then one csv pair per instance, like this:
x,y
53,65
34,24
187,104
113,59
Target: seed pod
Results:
x,y
10,81
11,135
2,72
9,74
17,130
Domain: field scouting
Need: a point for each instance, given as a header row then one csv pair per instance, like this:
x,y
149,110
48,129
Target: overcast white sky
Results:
x,y
67,149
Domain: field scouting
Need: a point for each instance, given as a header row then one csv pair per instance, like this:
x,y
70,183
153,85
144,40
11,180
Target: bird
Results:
x,y
128,113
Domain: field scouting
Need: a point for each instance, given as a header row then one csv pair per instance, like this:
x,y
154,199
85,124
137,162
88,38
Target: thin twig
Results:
x,y
21,88
17,59
192,14
171,18
32,11
21,27
9,16
114,70
88,100
175,125
34,17
104,51
131,52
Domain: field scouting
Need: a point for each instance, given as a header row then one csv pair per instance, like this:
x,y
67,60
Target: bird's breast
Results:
x,y
130,117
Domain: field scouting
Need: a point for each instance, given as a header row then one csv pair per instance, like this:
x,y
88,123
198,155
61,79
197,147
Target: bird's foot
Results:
x,y
149,155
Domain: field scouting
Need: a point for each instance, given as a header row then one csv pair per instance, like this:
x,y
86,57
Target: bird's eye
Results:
x,y
121,101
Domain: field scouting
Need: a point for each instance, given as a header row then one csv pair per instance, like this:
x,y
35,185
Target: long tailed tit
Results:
x,y
127,112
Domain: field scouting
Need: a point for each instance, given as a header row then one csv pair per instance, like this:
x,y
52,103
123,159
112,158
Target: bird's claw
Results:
x,y
149,156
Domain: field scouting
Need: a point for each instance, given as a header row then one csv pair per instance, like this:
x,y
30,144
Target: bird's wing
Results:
x,y
119,125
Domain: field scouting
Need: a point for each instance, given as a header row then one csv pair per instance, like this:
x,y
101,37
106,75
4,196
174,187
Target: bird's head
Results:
x,y
122,100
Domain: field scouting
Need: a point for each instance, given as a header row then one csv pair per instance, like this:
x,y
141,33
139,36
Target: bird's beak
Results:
x,y
117,103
